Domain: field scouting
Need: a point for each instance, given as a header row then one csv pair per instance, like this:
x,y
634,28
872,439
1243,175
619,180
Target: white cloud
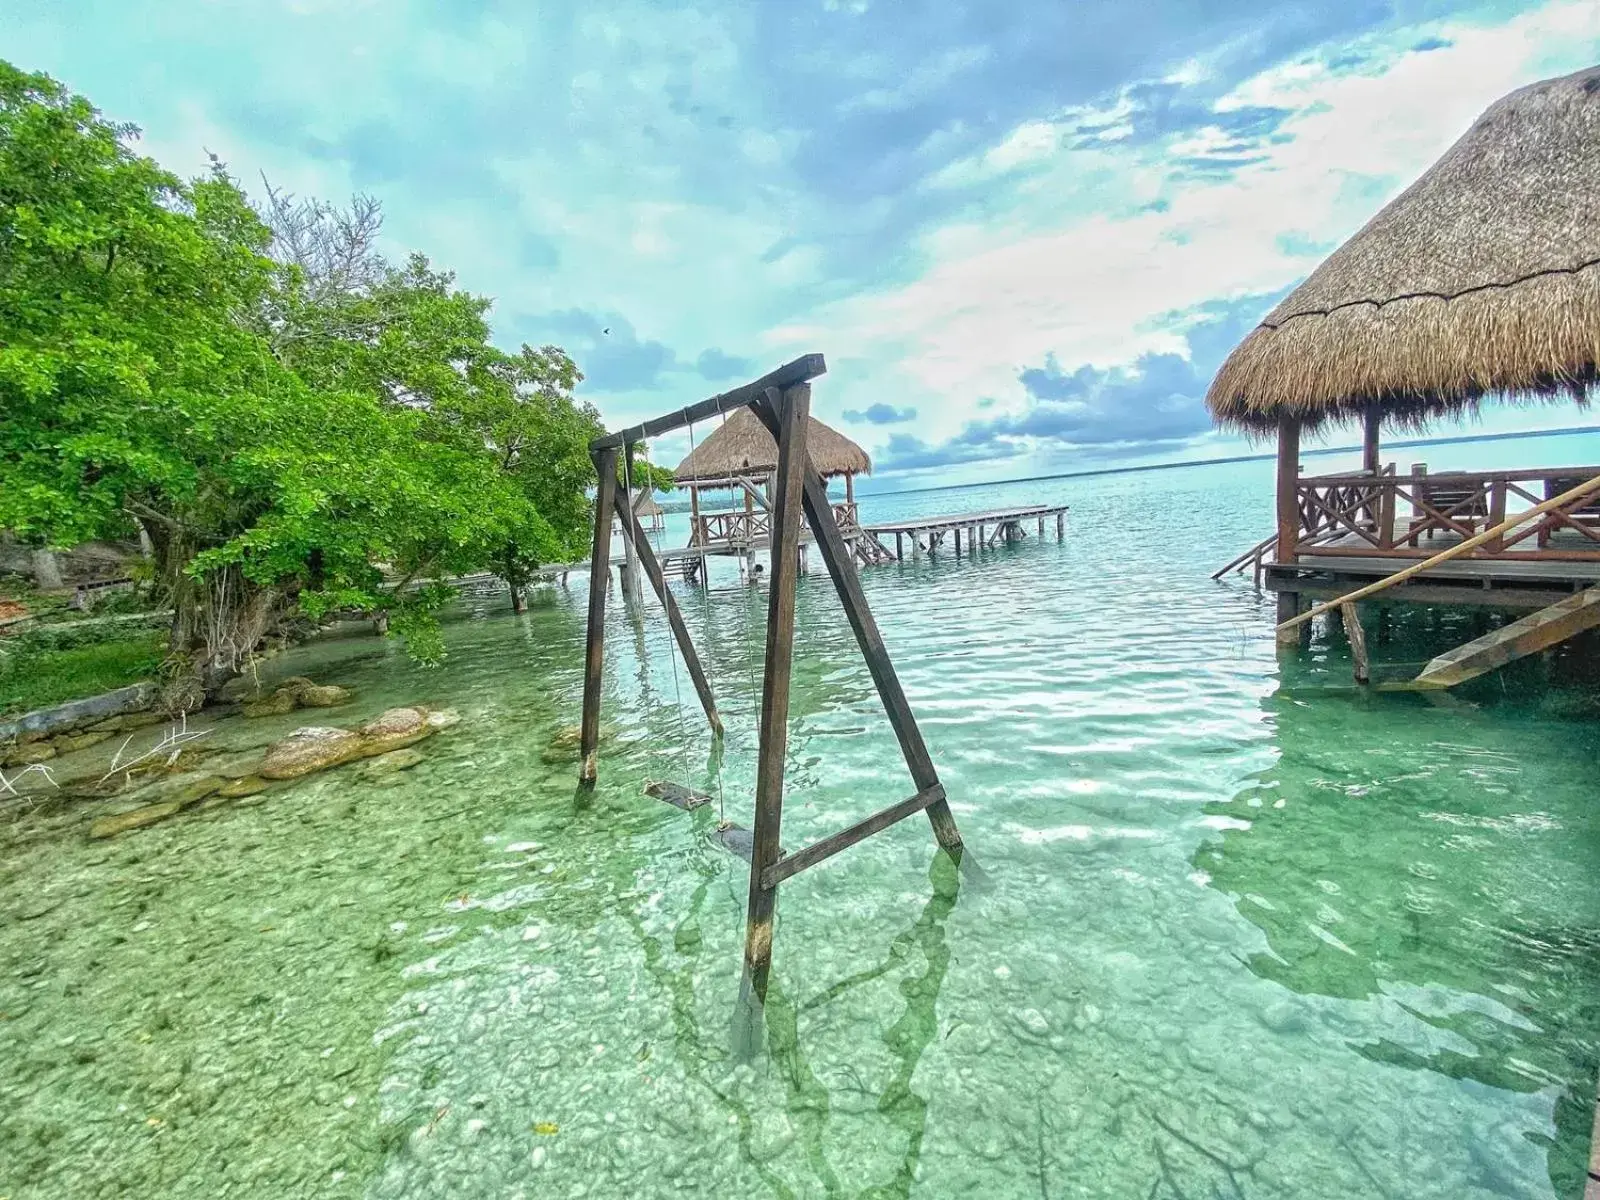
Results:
x,y
1063,262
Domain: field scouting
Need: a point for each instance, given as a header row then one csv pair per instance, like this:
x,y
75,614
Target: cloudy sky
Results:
x,y
1024,234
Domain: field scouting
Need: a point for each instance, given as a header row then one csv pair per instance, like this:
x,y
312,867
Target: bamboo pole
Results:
x,y
1570,496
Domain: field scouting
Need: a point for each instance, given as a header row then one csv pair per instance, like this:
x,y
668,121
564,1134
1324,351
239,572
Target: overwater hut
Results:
x,y
651,515
1480,282
740,456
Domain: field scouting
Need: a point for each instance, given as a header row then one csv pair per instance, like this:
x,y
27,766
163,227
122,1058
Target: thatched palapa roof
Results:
x,y
1482,277
742,446
646,505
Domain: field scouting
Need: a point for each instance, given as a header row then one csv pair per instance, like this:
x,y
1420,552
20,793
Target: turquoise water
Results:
x,y
1244,931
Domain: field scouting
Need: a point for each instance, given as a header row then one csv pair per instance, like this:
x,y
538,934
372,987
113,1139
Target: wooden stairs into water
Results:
x,y
1528,635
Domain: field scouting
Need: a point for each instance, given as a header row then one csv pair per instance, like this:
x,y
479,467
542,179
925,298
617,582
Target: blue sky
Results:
x,y
1024,235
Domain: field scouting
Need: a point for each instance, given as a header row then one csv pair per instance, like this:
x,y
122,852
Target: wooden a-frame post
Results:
x,y
781,400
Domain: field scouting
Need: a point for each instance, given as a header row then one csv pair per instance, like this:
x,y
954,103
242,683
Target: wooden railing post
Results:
x,y
605,465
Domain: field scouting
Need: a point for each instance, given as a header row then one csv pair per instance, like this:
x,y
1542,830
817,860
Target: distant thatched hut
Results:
x,y
651,515
1482,278
742,454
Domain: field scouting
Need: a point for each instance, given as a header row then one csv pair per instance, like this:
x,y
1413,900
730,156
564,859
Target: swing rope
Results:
x,y
634,529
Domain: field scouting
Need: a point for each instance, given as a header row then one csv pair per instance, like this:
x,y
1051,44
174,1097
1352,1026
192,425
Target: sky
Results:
x,y
1023,234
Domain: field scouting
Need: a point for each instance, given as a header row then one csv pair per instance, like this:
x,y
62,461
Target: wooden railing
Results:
x,y
747,528
1413,516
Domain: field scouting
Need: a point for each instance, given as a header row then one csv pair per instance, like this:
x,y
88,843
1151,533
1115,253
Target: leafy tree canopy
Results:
x,y
295,422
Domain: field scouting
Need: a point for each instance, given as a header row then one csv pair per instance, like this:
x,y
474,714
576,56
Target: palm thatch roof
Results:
x,y
742,446
1482,277
646,505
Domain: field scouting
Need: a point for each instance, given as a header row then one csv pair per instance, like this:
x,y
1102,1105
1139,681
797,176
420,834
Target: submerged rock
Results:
x,y
676,795
69,743
29,754
443,718
326,695
280,703
138,818
245,785
396,728
311,748
393,763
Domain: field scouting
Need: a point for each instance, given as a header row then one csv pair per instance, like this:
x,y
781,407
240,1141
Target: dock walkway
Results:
x,y
981,530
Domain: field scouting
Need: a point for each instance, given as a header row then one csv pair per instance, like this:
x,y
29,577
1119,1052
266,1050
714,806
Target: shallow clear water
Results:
x,y
1244,932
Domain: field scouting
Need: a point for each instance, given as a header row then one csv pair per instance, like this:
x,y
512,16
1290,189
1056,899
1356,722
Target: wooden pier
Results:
x,y
980,530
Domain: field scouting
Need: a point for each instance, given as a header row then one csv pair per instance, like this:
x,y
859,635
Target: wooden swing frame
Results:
x,y
781,400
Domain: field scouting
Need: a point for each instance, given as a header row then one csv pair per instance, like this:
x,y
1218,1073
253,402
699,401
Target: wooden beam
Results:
x,y
1358,641
793,864
794,411
605,465
1571,496
807,366
634,533
1535,632
842,568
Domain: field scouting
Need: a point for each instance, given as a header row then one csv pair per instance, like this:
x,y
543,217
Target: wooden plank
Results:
x,y
793,864
1583,489
1358,641
807,366
605,465
841,567
1528,635
680,631
794,411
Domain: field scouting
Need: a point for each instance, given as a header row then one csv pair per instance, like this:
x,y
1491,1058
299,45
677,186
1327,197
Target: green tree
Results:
x,y
297,425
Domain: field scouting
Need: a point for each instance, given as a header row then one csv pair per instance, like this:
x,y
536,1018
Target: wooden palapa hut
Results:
x,y
742,456
1481,280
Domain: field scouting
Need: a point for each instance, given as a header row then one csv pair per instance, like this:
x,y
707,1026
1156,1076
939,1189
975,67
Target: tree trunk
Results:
x,y
46,570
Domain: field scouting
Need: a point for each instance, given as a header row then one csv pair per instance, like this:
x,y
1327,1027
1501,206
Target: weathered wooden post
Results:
x,y
916,545
1358,641
1371,420
605,465
1288,518
793,411
899,546
1061,527
1041,528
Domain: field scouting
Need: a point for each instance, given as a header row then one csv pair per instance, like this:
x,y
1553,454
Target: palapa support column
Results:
x,y
605,465
633,535
1358,642
1288,519
1371,420
793,411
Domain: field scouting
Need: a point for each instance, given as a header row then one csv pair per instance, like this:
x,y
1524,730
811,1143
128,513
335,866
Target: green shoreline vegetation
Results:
x,y
295,424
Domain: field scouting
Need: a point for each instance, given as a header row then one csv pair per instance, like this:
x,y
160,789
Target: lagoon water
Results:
x,y
1244,931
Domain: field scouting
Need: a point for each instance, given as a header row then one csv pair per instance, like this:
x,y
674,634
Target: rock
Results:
x,y
67,743
392,763
280,703
242,688
247,785
322,696
443,718
566,743
27,755
136,819
396,728
313,748
183,790
236,766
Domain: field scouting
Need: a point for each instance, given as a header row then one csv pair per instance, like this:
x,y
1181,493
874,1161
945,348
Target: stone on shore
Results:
x,y
166,798
138,818
314,695
29,754
280,703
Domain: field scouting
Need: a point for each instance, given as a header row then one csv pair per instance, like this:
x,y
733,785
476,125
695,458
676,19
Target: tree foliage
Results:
x,y
298,424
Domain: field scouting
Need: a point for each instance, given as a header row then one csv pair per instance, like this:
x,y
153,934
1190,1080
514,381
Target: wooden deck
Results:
x,y
979,529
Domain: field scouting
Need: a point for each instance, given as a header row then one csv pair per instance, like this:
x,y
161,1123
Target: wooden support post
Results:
x,y
880,666
605,465
1288,508
794,410
1497,514
694,515
916,544
633,534
630,568
1370,422
1061,527
1358,641
1041,528
899,546
958,541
